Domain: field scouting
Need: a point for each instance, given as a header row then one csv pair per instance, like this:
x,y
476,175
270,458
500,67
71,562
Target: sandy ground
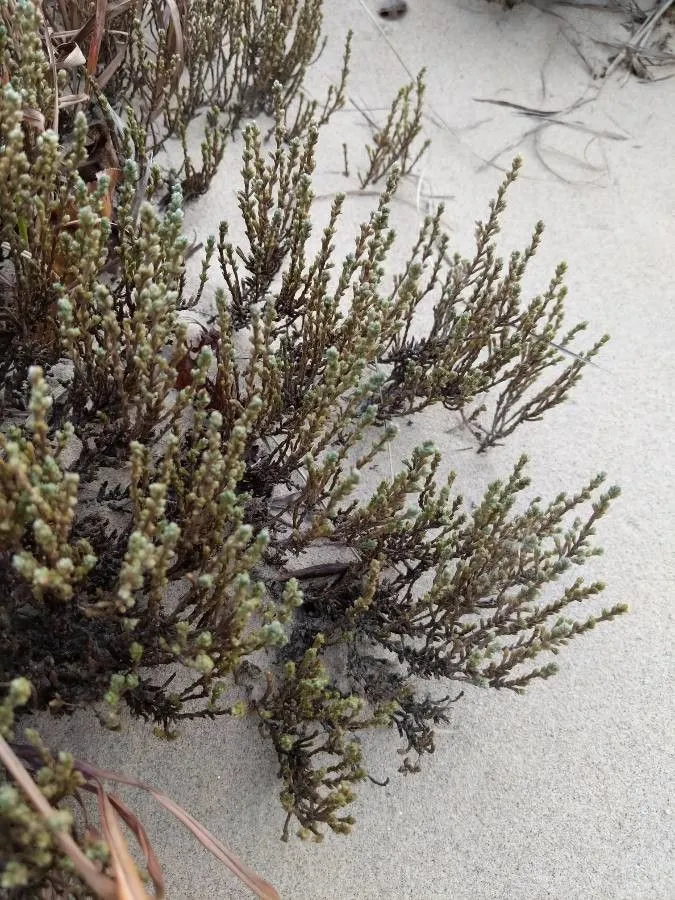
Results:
x,y
567,791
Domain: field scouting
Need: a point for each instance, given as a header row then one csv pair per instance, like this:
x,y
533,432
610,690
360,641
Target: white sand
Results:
x,y
566,792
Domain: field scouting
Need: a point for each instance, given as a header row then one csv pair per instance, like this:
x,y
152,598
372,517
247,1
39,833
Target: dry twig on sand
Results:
x,y
634,52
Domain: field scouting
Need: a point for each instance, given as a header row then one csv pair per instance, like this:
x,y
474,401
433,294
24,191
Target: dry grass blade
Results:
x,y
246,875
112,66
526,110
51,56
175,32
175,48
262,888
551,116
102,886
112,12
72,100
129,884
99,31
151,861
127,880
639,39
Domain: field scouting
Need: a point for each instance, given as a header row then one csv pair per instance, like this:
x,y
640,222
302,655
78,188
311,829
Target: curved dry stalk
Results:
x,y
244,873
99,31
127,882
636,43
103,886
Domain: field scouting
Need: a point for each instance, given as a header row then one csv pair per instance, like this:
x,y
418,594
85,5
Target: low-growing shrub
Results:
x,y
168,498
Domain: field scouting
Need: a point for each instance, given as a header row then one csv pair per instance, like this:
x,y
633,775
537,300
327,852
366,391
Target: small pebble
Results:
x,y
393,9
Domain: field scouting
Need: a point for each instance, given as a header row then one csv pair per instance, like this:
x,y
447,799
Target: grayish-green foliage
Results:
x,y
156,493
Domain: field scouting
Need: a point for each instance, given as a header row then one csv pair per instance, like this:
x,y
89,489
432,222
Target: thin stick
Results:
x,y
640,35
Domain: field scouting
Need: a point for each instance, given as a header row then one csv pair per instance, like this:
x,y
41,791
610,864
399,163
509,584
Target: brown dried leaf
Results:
x,y
99,31
81,34
115,177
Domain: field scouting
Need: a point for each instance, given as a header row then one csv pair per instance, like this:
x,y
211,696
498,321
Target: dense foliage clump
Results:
x,y
189,497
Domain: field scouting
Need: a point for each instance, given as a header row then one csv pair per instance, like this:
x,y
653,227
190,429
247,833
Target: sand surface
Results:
x,y
567,791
